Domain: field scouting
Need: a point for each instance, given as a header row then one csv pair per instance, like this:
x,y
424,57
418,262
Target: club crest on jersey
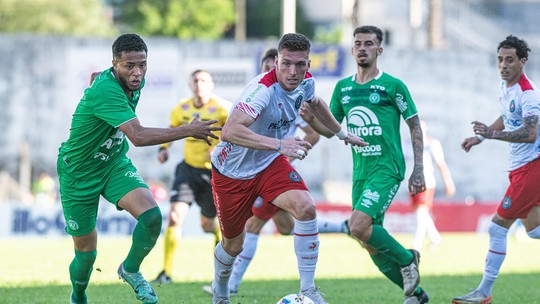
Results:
x,y
374,98
512,106
298,102
73,225
506,203
295,177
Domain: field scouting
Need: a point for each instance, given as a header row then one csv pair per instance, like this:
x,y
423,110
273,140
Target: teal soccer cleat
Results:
x,y
144,292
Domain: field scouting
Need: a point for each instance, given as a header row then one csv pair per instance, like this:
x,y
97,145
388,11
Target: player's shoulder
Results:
x,y
526,84
346,81
267,79
104,87
385,77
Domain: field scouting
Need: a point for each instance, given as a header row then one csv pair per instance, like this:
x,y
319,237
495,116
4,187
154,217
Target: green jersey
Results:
x,y
95,140
373,112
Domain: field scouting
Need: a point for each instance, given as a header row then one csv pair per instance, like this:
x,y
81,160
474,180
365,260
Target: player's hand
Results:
x,y
305,113
469,142
163,155
481,129
417,184
294,147
355,140
203,129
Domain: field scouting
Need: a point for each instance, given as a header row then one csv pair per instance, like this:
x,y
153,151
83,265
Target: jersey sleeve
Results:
x,y
530,103
404,101
253,100
309,89
112,106
335,104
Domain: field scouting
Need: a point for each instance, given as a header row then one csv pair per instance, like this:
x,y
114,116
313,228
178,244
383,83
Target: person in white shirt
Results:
x,y
519,104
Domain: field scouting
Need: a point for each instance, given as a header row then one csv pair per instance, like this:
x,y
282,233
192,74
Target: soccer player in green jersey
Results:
x,y
373,102
93,162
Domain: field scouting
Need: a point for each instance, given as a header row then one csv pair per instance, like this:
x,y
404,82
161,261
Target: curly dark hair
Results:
x,y
513,42
370,29
128,43
294,42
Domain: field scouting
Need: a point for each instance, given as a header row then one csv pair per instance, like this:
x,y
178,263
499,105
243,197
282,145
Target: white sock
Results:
x,y
495,257
223,263
535,233
306,248
326,226
243,259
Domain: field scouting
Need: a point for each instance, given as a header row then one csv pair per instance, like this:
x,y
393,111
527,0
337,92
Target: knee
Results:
x,y
254,225
151,219
86,259
360,230
307,211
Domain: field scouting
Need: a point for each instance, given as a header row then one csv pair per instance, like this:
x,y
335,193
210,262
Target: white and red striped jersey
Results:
x,y
516,103
275,112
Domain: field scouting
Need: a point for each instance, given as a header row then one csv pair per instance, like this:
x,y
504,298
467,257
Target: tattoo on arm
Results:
x,y
527,133
417,140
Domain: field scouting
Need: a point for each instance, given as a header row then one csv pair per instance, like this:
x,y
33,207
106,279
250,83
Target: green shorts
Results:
x,y
374,195
80,196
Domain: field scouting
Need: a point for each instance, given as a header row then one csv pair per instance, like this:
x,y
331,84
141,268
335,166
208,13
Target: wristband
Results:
x,y
480,137
342,134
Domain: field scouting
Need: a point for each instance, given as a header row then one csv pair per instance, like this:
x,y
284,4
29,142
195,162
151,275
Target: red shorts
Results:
x,y
423,198
263,209
523,193
234,197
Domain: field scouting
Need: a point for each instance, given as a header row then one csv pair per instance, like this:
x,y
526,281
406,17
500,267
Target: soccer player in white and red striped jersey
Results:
x,y
519,104
251,161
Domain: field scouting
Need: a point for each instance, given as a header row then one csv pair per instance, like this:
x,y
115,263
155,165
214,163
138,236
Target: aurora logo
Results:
x,y
363,122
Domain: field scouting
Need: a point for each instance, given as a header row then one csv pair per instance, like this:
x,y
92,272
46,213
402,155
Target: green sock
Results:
x,y
144,238
384,243
389,267
80,270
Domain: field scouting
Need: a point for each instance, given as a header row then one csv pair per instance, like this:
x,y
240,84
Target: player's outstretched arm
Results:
x,y
142,136
482,132
320,110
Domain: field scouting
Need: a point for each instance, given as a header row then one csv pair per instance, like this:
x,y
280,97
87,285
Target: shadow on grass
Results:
x,y
509,288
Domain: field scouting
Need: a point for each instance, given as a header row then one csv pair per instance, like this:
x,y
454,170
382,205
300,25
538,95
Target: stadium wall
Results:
x,y
44,77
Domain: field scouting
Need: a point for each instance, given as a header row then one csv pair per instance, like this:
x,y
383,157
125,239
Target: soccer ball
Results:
x,y
295,298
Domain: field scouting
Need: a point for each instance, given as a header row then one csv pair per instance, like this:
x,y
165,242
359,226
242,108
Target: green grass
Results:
x,y
34,270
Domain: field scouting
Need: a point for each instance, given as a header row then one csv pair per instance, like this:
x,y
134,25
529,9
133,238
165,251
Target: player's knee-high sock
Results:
x,y
535,233
306,247
382,241
326,226
495,257
422,216
144,238
80,270
170,240
243,259
223,263
389,267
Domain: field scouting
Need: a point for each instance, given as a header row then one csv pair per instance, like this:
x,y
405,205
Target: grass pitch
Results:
x,y
35,270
